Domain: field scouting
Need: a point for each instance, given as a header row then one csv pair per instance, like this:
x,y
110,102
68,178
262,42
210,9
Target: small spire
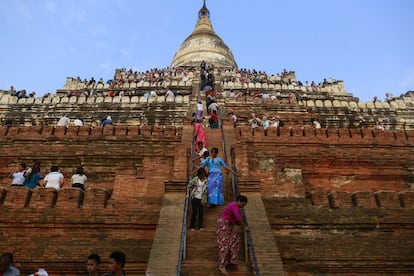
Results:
x,y
204,12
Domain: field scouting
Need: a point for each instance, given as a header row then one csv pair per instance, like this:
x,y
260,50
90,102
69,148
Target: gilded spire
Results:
x,y
204,12
203,44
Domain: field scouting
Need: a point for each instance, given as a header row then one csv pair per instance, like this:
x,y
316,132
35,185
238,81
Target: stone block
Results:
x,y
179,99
43,198
388,199
73,99
336,103
95,198
21,101
4,99
125,99
91,100
364,199
310,103
319,103
143,99
339,199
407,199
319,198
81,100
16,197
133,131
161,99
69,198
135,99
12,100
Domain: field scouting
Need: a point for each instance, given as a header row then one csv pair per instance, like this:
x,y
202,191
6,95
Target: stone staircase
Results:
x,y
202,254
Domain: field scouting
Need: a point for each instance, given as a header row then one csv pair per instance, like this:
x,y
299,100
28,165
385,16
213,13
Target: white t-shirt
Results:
x,y
18,178
202,151
53,180
78,178
78,122
199,107
64,121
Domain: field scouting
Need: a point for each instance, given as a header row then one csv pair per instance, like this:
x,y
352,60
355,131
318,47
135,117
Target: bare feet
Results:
x,y
201,229
223,270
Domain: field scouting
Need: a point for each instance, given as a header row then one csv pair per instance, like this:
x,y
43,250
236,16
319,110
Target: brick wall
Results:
x,y
126,168
337,159
348,234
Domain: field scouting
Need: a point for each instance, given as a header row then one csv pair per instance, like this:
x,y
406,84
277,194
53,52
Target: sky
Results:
x,y
369,44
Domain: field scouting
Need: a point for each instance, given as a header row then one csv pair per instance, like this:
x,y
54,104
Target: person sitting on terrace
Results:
x,y
254,121
315,123
274,122
107,121
77,122
79,179
169,93
265,123
18,176
32,176
63,121
54,179
153,94
379,126
233,118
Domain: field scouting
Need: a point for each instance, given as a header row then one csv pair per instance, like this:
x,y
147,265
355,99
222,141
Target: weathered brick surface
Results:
x,y
119,209
16,197
346,241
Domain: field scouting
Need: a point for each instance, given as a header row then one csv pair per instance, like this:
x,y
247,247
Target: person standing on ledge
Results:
x,y
228,239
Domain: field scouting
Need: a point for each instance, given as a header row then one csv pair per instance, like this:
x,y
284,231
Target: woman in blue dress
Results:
x,y
215,177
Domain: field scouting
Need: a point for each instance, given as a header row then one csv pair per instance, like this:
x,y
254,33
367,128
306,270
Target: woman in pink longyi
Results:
x,y
228,239
199,134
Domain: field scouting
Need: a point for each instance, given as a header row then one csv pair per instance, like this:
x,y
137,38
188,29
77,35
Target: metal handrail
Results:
x,y
248,240
183,243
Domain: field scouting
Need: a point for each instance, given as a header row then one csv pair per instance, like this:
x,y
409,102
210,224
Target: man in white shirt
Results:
x,y
18,176
64,121
54,179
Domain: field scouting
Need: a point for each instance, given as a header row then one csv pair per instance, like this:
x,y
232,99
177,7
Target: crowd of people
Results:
x,y
93,267
31,177
206,189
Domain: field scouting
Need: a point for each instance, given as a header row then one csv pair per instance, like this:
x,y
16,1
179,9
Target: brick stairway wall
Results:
x,y
344,240
126,167
327,159
338,200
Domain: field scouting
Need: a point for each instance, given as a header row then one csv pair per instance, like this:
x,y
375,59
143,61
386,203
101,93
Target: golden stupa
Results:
x,y
203,44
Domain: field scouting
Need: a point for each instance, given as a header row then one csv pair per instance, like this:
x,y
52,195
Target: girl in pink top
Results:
x,y
228,240
199,133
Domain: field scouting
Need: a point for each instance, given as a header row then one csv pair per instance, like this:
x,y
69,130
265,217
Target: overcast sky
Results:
x,y
366,43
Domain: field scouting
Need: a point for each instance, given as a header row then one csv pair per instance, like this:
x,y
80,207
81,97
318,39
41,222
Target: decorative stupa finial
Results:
x,y
204,12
